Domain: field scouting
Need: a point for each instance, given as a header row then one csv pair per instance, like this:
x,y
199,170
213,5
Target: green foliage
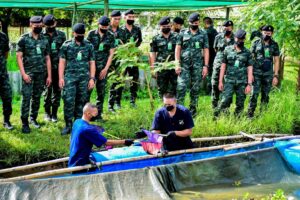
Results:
x,y
284,15
12,62
278,195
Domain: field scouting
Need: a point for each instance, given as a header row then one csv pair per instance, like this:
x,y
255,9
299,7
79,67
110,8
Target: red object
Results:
x,y
150,147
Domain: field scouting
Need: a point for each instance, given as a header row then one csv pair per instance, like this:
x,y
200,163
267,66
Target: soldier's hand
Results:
x,y
61,83
221,86
178,70
248,89
91,84
48,81
275,81
204,72
103,74
27,78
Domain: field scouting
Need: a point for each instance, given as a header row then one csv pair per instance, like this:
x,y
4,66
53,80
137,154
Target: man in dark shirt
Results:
x,y
176,122
85,135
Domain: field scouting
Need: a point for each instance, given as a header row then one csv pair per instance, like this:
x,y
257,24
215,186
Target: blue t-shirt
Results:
x,y
84,136
180,121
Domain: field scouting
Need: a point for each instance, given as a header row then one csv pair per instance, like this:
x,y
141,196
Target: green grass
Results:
x,y
47,143
12,62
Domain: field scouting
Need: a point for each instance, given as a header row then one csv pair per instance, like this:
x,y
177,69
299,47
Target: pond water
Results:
x,y
227,192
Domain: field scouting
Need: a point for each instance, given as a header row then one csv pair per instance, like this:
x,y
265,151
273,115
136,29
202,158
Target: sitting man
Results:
x,y
85,135
175,122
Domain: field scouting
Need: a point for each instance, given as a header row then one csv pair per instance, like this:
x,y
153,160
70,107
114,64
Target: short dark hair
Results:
x,y
169,96
208,20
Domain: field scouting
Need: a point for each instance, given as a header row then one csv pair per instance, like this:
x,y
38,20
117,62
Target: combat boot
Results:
x,y
7,123
34,122
67,130
54,115
47,116
25,126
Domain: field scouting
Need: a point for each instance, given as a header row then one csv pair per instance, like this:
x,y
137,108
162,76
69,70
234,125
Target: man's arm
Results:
x,y
177,58
206,62
25,76
115,142
221,77
103,73
61,71
49,71
184,133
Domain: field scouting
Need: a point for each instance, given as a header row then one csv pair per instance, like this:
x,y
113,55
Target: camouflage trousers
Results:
x,y
75,96
166,82
215,92
229,90
5,94
31,95
262,84
115,91
52,94
189,78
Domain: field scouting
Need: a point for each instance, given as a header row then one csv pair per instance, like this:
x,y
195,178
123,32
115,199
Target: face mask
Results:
x,y
37,30
239,44
130,21
103,30
227,33
79,38
194,27
166,30
266,37
50,29
170,108
177,30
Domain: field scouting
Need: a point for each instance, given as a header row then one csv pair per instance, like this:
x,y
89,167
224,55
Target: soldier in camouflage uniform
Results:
x,y
222,40
192,46
115,91
34,62
162,48
5,88
104,47
52,94
237,69
133,33
177,24
211,34
76,74
266,53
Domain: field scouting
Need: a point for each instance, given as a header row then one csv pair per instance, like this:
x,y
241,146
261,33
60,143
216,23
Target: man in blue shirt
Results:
x,y
85,135
176,122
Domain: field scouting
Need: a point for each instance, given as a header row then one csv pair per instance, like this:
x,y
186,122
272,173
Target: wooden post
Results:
x,y
106,7
74,19
227,13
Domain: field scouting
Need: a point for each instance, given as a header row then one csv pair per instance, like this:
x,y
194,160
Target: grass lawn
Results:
x,y
47,143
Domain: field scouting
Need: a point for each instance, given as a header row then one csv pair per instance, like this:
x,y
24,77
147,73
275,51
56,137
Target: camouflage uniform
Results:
x,y
34,52
219,45
116,94
236,78
102,47
191,65
52,93
77,75
262,71
134,36
5,88
211,34
165,49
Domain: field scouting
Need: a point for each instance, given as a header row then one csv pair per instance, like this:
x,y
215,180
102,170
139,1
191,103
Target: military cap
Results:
x,y
194,17
240,34
228,23
268,28
178,20
49,20
164,21
115,13
36,19
104,21
79,28
129,12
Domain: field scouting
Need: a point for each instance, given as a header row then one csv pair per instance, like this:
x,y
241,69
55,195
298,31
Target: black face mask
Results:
x,y
170,108
79,38
240,44
177,30
166,30
227,33
194,27
37,30
266,37
103,30
130,21
50,29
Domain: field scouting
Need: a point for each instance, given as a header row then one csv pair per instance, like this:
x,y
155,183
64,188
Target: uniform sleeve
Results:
x,y
250,60
140,39
6,43
112,42
89,37
21,45
224,56
180,39
47,50
252,48
215,42
92,53
94,136
156,124
63,51
206,43
153,45
189,122
276,50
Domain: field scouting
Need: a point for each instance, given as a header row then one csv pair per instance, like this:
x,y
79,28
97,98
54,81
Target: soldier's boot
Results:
x,y
111,108
118,105
47,116
54,114
34,122
67,129
132,102
7,123
25,126
250,113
